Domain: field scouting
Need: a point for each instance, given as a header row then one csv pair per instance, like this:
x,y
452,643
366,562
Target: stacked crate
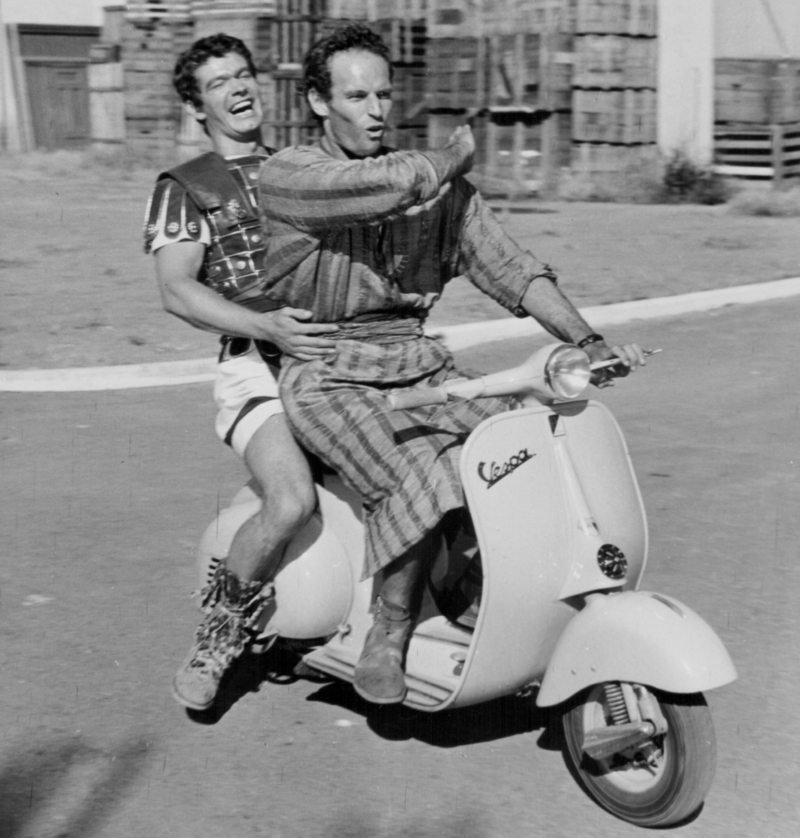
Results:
x,y
152,110
506,66
757,118
281,42
406,39
614,87
154,34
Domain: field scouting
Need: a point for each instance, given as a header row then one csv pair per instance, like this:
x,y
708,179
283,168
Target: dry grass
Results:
x,y
122,163
767,201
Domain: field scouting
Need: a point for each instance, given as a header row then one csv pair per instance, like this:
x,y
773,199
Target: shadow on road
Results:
x,y
246,675
499,719
72,783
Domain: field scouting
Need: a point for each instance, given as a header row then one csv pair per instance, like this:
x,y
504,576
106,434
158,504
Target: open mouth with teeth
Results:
x,y
244,108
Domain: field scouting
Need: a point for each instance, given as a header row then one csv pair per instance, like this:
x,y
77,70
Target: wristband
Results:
x,y
593,338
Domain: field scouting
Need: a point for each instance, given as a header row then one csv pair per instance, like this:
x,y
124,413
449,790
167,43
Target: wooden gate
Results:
x,y
59,96
51,66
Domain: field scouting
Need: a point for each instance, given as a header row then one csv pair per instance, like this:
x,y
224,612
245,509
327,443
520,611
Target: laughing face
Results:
x,y
230,106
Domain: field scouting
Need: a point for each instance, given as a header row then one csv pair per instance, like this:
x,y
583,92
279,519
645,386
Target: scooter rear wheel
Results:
x,y
660,783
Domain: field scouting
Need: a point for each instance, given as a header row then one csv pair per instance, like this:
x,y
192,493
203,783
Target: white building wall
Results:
x,y
686,78
757,29
62,12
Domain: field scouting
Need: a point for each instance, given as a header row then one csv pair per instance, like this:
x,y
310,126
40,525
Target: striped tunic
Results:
x,y
341,244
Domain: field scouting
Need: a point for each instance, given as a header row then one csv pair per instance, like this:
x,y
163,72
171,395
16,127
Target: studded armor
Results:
x,y
220,195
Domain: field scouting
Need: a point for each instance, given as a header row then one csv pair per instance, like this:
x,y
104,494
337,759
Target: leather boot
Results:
x,y
379,675
232,608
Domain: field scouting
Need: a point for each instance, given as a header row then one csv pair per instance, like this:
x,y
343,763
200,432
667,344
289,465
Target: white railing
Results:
x,y
208,8
158,10
190,9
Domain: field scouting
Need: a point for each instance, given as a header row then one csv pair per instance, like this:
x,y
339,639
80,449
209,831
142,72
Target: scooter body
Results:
x,y
562,537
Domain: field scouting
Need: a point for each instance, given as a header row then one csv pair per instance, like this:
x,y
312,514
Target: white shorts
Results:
x,y
246,393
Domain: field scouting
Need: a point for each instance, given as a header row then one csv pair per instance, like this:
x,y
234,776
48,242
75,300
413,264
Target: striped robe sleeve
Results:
x,y
312,191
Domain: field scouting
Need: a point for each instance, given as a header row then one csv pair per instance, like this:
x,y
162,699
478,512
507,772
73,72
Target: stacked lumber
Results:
x,y
407,41
230,8
614,98
150,11
506,66
757,118
281,41
759,92
152,110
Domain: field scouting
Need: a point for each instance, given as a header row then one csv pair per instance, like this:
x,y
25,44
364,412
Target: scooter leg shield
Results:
x,y
639,637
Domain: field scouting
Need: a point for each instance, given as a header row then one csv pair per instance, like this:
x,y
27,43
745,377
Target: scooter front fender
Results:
x,y
640,637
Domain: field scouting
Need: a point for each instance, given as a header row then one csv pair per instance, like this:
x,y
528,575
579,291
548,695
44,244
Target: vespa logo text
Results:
x,y
498,472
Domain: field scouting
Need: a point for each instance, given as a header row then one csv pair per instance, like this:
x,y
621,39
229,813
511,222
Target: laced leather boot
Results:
x,y
232,608
379,676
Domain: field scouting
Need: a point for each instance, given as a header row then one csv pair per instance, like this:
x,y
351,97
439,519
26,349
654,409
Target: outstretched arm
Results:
x,y
497,265
313,191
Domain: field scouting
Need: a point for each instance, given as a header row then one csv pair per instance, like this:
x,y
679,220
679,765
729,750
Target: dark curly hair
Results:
x,y
212,46
316,63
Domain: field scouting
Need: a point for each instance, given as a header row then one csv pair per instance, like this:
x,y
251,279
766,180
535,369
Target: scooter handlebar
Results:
x,y
531,377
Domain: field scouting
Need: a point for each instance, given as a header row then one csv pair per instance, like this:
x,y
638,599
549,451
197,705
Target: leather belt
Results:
x,y
232,347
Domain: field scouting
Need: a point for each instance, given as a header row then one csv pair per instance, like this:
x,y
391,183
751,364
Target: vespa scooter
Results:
x,y
545,595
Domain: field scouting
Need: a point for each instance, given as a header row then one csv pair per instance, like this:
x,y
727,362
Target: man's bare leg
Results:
x,y
235,597
283,475
379,674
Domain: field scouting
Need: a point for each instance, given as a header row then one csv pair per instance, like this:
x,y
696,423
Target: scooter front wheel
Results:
x,y
659,782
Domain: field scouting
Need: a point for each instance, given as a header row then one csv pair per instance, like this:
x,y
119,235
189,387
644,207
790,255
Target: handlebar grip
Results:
x,y
417,398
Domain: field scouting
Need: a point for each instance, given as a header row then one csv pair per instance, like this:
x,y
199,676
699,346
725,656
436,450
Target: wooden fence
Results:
x,y
759,152
547,84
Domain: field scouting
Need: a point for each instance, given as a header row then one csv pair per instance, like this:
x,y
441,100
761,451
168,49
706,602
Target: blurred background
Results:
x,y
568,96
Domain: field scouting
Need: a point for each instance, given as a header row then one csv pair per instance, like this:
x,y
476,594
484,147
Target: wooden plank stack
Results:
x,y
759,152
756,92
614,86
757,118
548,85
152,110
506,66
280,44
407,40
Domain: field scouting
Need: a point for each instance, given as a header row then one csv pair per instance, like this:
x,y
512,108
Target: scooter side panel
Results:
x,y
601,461
640,637
523,520
532,534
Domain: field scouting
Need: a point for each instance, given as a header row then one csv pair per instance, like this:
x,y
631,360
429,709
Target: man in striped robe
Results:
x,y
349,242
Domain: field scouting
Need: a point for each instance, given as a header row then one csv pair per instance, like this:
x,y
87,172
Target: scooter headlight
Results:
x,y
567,371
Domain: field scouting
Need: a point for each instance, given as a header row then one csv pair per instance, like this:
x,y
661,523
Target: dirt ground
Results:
x,y
104,496
78,290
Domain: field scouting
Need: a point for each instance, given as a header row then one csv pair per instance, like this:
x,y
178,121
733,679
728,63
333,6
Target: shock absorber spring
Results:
x,y
616,703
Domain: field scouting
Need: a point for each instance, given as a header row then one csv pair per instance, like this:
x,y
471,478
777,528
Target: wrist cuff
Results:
x,y
593,338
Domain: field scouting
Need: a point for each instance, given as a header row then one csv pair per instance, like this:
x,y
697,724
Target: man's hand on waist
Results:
x,y
289,330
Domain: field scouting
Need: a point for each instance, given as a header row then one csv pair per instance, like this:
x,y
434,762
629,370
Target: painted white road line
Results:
x,y
470,334
456,337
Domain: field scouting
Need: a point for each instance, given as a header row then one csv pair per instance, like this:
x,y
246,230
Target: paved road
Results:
x,y
104,494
